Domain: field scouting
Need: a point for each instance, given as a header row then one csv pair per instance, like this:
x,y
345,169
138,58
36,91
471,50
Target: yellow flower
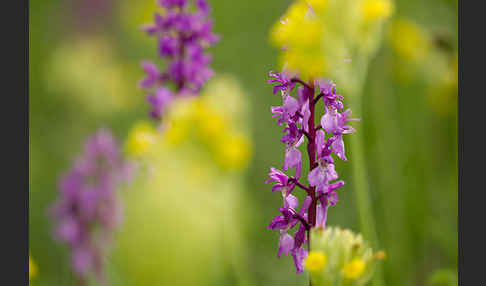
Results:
x,y
211,124
177,131
288,30
141,138
318,5
179,120
315,41
309,63
233,152
315,261
301,35
354,269
409,40
32,269
377,9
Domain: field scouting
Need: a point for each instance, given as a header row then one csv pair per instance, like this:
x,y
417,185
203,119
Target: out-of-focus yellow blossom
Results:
x,y
419,58
409,40
176,131
318,5
317,37
217,120
33,271
233,151
315,261
179,120
189,198
354,269
377,9
212,125
311,63
295,28
142,136
300,35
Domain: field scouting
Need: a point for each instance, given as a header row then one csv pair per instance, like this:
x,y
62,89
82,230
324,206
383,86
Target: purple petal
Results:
x,y
320,141
338,147
203,6
300,236
285,244
291,105
279,222
299,254
291,202
321,215
82,260
293,158
329,120
305,115
317,176
68,230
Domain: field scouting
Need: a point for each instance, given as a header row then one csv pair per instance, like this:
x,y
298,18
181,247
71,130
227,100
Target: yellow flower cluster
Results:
x,y
186,188
315,261
300,35
409,40
376,10
140,139
317,37
354,269
340,255
211,121
420,57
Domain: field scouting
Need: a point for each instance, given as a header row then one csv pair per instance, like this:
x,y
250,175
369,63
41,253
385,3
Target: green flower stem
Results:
x,y
360,182
362,193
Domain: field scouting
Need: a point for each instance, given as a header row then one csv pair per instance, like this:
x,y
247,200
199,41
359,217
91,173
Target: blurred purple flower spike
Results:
x,y
182,38
88,209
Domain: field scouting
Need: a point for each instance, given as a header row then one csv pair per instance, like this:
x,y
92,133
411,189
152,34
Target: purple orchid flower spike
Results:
x,y
88,209
297,115
182,34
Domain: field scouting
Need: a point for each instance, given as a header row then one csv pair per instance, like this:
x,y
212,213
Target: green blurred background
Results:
x,y
84,67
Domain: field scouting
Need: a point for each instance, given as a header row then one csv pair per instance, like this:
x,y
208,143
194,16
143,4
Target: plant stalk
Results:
x,y
360,181
311,152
